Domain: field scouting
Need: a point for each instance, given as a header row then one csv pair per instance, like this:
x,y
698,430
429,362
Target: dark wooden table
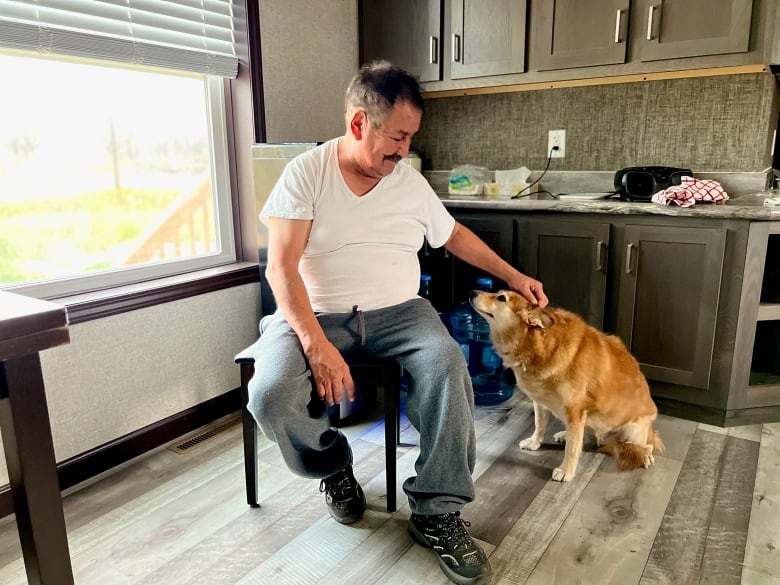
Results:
x,y
28,326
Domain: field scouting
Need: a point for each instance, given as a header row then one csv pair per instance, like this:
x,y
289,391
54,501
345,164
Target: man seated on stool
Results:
x,y
345,222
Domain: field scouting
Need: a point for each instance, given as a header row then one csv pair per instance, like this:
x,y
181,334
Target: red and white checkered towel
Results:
x,y
691,190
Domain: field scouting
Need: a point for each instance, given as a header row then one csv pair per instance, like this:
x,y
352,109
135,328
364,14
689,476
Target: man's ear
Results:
x,y
358,124
538,318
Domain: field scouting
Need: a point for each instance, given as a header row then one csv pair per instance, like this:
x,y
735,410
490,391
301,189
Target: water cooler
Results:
x,y
492,382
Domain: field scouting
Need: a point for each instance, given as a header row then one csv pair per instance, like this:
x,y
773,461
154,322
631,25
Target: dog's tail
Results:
x,y
631,455
655,439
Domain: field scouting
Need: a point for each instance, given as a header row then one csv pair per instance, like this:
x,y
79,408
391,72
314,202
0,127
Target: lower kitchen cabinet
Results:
x,y
437,262
669,292
667,281
696,300
497,231
452,279
757,341
570,258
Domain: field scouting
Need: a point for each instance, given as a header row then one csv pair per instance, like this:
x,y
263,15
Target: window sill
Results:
x,y
113,301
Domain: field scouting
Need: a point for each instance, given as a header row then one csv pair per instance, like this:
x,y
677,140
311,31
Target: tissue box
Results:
x,y
508,190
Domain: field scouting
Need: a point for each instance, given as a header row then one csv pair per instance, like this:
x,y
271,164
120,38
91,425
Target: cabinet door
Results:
x,y
571,261
405,32
578,33
668,300
438,263
689,28
488,37
497,232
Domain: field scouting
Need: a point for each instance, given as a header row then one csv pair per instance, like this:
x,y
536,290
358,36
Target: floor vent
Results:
x,y
206,434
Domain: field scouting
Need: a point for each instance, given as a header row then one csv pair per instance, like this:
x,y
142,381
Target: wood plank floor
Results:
x,y
707,512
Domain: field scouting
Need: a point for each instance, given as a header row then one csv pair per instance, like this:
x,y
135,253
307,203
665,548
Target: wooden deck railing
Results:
x,y
177,229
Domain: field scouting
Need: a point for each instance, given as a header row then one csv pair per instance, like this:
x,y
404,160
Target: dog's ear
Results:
x,y
539,318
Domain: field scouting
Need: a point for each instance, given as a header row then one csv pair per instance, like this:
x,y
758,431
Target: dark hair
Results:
x,y
378,87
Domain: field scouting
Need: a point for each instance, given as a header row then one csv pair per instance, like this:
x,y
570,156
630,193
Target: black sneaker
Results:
x,y
461,559
344,497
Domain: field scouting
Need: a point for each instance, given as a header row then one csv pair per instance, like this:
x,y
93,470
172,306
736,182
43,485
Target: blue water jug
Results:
x,y
492,384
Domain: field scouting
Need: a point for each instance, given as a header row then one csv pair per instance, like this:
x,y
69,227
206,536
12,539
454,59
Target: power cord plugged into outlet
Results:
x,y
523,193
556,143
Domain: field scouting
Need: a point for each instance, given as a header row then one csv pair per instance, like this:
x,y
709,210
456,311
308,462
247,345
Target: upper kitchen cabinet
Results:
x,y
467,45
405,32
475,37
487,37
690,28
579,33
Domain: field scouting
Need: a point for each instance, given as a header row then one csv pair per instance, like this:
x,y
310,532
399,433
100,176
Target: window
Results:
x,y
110,173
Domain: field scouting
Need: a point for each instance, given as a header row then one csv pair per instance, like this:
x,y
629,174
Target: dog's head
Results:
x,y
508,311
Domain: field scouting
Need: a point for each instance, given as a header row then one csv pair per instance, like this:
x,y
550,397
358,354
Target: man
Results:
x,y
345,223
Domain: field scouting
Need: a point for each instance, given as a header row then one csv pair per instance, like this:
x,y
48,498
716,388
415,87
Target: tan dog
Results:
x,y
583,376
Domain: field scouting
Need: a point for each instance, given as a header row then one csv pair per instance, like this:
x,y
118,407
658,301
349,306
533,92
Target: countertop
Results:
x,y
615,207
741,186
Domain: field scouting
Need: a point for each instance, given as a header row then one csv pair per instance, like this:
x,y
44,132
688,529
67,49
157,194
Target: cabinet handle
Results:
x,y
617,26
456,48
650,15
434,50
446,253
599,259
629,248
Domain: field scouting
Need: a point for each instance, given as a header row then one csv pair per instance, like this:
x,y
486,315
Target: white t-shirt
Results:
x,y
361,250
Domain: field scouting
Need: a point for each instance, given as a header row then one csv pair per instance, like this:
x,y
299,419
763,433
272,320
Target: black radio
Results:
x,y
640,183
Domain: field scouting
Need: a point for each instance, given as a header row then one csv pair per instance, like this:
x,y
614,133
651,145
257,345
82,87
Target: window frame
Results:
x,y
220,135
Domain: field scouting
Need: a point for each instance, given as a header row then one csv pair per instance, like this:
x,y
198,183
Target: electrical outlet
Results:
x,y
556,138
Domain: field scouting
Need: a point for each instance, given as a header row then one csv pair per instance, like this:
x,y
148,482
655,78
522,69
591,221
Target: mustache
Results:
x,y
393,157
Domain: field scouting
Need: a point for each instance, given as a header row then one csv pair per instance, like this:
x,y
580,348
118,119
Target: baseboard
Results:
x,y
95,461
716,416
702,414
752,416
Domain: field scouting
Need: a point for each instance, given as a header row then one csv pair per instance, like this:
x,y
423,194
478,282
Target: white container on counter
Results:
x,y
413,160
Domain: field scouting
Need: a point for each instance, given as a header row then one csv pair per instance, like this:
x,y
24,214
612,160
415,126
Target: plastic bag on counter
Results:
x,y
508,183
468,180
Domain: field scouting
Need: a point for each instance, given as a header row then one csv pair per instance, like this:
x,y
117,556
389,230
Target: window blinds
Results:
x,y
188,35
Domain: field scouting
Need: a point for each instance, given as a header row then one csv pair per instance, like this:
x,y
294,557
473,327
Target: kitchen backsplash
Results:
x,y
722,123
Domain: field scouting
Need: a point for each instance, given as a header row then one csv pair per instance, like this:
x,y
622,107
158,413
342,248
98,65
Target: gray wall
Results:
x,y
310,52
707,124
127,371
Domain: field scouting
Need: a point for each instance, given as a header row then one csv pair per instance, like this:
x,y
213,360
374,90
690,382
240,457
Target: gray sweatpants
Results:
x,y
440,401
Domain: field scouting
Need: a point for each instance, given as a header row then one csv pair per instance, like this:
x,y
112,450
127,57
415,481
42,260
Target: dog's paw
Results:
x,y
531,444
649,460
560,437
559,474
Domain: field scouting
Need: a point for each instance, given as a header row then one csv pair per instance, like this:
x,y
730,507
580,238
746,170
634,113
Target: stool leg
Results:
x,y
250,437
392,430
